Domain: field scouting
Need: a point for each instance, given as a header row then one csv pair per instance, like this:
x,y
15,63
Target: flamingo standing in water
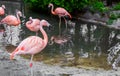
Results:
x,y
12,20
61,12
2,10
33,44
33,25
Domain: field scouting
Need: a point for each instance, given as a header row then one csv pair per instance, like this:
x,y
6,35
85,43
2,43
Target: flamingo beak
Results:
x,y
51,42
50,26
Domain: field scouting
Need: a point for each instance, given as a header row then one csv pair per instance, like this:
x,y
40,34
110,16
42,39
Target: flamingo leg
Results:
x,y
31,64
10,34
65,22
59,25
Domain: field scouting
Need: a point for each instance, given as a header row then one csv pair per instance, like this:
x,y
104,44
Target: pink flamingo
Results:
x,y
2,10
33,44
61,12
33,25
12,20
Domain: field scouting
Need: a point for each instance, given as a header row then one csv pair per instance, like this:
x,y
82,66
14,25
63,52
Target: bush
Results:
x,y
69,5
98,6
116,7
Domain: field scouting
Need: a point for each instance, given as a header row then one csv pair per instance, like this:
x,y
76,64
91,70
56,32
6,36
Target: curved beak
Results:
x,y
50,27
51,42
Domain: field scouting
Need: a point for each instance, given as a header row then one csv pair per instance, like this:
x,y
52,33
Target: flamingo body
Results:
x,y
33,24
30,45
12,20
61,12
2,10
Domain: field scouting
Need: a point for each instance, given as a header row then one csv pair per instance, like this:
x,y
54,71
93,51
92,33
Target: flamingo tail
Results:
x,y
13,54
69,15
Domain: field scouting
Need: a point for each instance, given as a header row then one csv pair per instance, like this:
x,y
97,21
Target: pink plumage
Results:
x,y
33,25
12,20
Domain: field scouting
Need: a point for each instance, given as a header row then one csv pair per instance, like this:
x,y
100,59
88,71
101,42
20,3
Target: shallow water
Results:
x,y
89,49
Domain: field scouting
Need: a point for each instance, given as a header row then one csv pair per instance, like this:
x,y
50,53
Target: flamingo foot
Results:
x,y
31,64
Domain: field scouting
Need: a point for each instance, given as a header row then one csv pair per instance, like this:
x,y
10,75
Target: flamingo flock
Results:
x,y
33,44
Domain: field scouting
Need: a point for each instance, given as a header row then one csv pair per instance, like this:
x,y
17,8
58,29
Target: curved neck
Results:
x,y
18,18
52,10
45,37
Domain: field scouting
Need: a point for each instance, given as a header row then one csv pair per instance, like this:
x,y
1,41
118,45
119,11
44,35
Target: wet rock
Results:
x,y
96,16
88,15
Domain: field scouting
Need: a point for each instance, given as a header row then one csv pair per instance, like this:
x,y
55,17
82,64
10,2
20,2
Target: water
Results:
x,y
87,47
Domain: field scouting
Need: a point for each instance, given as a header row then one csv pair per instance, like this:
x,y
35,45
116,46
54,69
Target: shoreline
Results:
x,y
20,67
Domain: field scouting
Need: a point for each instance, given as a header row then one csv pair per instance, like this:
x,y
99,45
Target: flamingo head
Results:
x,y
18,13
31,19
3,6
52,40
44,23
50,5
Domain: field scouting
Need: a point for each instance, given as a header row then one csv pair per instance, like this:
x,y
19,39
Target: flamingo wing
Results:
x,y
10,20
62,12
30,45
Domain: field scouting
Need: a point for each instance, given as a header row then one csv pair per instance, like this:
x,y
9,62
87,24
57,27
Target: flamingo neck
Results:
x,y
44,34
18,18
52,10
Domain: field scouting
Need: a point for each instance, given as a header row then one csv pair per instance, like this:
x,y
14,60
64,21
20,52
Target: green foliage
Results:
x,y
98,6
116,7
113,16
70,5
